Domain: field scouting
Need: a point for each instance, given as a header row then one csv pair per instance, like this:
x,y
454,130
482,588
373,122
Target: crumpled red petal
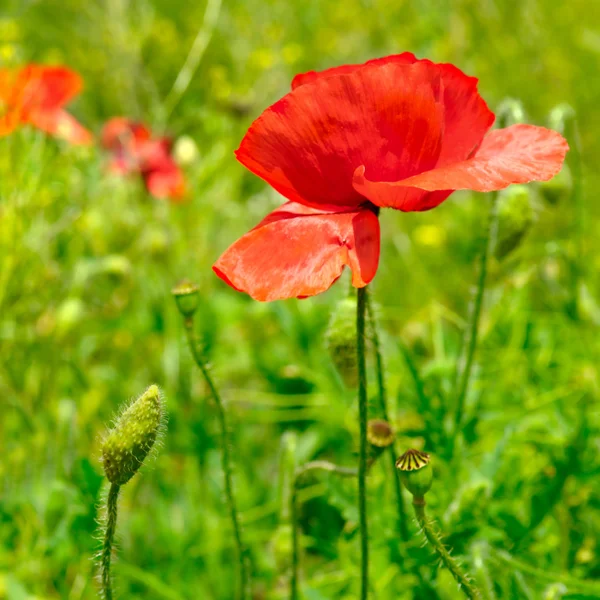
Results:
x,y
406,58
298,251
43,88
62,125
466,115
517,154
386,116
166,181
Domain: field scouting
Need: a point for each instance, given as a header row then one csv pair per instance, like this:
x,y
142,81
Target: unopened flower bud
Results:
x,y
515,217
416,473
187,297
558,188
133,436
380,436
341,340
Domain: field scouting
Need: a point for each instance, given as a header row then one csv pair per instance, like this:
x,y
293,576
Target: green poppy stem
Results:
x,y
244,580
109,536
433,537
363,458
393,454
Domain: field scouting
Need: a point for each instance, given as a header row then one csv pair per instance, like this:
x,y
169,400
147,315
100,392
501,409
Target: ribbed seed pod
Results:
x,y
133,436
187,297
416,473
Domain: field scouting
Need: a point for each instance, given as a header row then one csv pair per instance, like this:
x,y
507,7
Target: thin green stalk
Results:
x,y
433,537
317,465
243,591
392,452
109,536
192,62
474,318
362,461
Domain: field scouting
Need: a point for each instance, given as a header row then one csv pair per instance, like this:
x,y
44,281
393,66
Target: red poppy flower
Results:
x,y
394,132
36,95
134,150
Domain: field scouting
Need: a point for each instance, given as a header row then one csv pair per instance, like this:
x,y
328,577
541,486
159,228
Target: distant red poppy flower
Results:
x,y
36,95
134,150
394,132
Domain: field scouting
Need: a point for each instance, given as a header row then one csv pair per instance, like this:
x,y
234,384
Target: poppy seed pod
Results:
x,y
187,297
380,436
416,473
341,340
515,217
133,436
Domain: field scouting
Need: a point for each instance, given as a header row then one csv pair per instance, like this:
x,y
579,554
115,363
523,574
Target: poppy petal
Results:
x,y
298,251
467,117
62,125
307,145
406,58
166,182
47,88
517,154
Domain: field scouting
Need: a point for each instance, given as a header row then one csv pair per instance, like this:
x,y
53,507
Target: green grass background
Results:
x,y
87,321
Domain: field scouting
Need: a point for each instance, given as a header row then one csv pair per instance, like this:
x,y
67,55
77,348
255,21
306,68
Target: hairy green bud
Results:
x,y
133,436
187,297
341,340
416,473
558,188
515,217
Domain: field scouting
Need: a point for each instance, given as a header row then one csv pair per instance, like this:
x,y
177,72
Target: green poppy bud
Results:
x,y
558,188
515,217
187,298
133,436
341,340
416,473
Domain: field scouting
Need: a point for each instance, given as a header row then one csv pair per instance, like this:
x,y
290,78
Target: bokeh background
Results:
x,y
87,262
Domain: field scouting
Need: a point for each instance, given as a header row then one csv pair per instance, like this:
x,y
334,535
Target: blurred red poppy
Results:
x,y
394,132
134,150
36,95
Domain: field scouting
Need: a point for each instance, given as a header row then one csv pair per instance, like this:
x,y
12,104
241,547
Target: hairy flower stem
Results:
x,y
393,454
243,591
109,536
433,537
317,465
362,460
474,319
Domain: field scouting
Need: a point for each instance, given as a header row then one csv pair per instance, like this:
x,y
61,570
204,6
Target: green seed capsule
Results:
x,y
515,217
341,340
416,473
187,297
131,439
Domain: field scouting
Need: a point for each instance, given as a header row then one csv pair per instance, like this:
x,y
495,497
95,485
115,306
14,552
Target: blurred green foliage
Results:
x,y
86,318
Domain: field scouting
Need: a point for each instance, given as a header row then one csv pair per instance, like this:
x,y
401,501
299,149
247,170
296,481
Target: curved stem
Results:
x,y
393,454
474,319
243,591
201,41
317,465
362,461
109,536
433,537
